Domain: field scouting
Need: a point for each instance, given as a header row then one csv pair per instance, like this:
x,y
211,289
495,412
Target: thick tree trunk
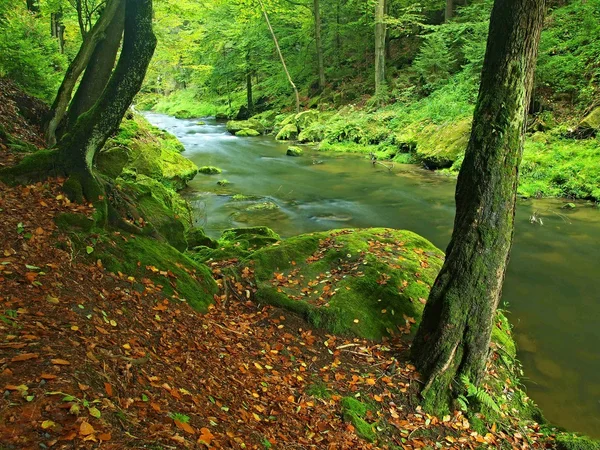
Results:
x,y
78,65
98,70
78,149
319,43
449,10
454,336
287,72
380,32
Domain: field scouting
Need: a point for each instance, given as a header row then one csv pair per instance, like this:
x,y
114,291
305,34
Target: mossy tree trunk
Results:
x,y
454,336
76,68
449,10
77,150
98,70
380,32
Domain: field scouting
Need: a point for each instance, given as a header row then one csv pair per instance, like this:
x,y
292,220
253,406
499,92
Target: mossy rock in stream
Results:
x,y
294,151
288,133
247,132
235,126
145,257
365,282
141,148
571,441
439,146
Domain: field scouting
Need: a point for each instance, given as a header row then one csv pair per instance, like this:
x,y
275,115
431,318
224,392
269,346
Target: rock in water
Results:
x,y
294,151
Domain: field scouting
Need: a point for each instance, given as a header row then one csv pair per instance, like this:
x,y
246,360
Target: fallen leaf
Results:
x,y
184,426
60,362
24,357
85,429
206,436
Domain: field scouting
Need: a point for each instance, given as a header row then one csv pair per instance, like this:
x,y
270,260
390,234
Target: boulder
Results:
x,y
209,170
589,126
288,133
306,118
247,132
294,151
235,126
439,146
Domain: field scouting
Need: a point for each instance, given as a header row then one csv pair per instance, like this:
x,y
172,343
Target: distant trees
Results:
x,y
380,33
454,336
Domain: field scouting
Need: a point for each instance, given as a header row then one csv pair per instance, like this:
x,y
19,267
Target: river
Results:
x,y
551,289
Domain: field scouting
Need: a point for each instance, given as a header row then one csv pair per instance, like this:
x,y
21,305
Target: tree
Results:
x,y
380,32
77,150
98,69
449,10
454,336
78,65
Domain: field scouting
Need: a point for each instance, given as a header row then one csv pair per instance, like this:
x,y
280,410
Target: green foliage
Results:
x,y
570,441
354,411
28,54
479,394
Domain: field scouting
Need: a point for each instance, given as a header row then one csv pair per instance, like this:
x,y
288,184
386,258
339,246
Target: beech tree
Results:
x,y
454,336
380,32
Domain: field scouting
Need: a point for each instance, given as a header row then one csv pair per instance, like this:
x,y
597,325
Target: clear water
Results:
x,y
551,288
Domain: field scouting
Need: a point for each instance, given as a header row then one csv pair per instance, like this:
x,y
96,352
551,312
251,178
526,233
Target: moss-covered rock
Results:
x,y
171,271
197,238
209,170
143,149
439,146
294,151
247,132
305,118
235,126
267,119
363,282
288,133
590,125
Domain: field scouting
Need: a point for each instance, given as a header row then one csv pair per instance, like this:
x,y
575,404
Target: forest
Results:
x,y
299,224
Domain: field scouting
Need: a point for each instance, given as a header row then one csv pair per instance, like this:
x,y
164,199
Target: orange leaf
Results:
x,y
24,357
47,376
105,436
155,406
184,426
205,436
60,362
85,429
108,389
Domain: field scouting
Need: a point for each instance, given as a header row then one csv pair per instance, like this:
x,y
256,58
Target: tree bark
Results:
x,y
33,6
319,43
77,149
454,336
289,77
449,10
380,32
98,70
249,86
78,65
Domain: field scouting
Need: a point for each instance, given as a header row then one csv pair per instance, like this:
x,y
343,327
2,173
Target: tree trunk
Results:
x,y
289,77
454,336
33,6
449,10
380,32
249,86
319,43
78,149
78,65
98,70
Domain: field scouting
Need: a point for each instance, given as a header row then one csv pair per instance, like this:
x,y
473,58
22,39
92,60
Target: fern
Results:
x,y
479,394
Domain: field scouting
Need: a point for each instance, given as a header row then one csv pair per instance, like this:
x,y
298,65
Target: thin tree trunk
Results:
x,y
380,32
449,10
78,149
249,86
319,43
33,6
454,336
98,70
78,65
289,77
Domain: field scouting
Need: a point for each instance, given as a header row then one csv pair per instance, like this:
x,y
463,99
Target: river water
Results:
x,y
551,290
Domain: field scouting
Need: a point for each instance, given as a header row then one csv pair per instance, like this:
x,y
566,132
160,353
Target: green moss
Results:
x,y
264,206
140,148
439,146
386,275
73,189
70,221
209,170
35,167
288,133
247,133
244,198
197,238
144,257
570,441
294,151
236,126
318,389
354,412
267,119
